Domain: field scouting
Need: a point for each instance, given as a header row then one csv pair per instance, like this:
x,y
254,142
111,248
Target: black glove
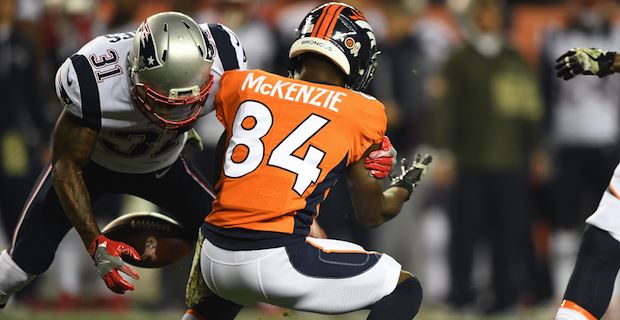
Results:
x,y
588,61
410,176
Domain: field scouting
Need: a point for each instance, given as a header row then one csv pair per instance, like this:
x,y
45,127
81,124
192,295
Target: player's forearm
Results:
x,y
393,200
615,67
377,208
72,147
75,200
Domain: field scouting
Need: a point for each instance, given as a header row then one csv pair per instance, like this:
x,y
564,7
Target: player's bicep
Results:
x,y
72,143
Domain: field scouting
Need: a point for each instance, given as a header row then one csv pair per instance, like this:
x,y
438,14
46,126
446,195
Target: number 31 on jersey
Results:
x,y
306,169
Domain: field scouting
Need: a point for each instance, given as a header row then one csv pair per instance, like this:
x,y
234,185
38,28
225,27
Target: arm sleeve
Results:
x,y
370,128
229,50
229,55
77,89
224,96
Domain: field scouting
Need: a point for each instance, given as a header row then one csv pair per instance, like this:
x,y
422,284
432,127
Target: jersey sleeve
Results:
x,y
229,55
229,50
77,89
369,124
226,96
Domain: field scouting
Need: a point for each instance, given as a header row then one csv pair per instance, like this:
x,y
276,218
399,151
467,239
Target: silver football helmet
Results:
x,y
170,69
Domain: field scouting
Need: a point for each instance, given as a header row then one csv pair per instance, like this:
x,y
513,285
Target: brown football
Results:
x,y
159,239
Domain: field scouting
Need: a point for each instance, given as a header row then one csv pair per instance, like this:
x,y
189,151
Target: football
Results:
x,y
159,239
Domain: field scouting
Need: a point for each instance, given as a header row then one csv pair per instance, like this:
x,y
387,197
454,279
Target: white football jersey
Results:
x,y
94,86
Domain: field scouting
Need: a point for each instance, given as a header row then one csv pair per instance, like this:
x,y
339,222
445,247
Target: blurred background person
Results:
x,y
582,123
487,119
414,44
24,127
24,124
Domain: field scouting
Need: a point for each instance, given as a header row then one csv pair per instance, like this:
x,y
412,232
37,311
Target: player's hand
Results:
x,y
411,175
107,256
588,61
194,140
379,162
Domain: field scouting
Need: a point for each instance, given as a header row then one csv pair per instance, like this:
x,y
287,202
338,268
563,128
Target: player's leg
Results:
x,y
467,206
38,232
591,284
200,299
403,303
42,225
320,275
213,307
185,194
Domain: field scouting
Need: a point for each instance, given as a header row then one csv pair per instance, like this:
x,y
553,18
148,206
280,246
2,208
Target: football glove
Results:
x,y
194,140
107,254
588,61
379,162
410,175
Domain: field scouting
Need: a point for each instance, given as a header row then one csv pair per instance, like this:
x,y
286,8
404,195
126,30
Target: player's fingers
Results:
x,y
111,283
393,152
378,174
379,154
377,166
130,271
568,76
561,64
384,161
130,251
576,67
565,55
565,73
120,281
427,159
386,143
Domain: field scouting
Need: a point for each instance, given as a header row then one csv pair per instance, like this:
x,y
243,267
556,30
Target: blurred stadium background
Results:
x,y
518,250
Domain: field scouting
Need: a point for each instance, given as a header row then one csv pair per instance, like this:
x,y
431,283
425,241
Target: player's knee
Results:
x,y
411,287
12,277
403,303
404,275
414,286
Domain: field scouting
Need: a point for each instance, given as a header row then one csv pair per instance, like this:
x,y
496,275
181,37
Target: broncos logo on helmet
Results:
x,y
341,33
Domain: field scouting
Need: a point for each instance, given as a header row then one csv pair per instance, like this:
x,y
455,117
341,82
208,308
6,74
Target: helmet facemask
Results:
x,y
170,69
178,109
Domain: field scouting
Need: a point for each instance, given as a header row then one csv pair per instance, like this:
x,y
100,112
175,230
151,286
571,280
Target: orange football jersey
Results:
x,y
287,143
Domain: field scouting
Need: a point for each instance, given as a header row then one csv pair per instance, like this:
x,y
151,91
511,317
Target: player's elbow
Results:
x,y
371,223
370,220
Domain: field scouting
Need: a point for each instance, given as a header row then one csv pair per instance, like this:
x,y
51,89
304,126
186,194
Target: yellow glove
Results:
x,y
588,61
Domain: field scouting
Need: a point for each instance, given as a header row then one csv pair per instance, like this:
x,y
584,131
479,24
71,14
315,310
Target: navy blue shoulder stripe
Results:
x,y
89,91
225,49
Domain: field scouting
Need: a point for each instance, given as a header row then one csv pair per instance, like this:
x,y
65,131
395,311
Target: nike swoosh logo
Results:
x,y
101,261
160,174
